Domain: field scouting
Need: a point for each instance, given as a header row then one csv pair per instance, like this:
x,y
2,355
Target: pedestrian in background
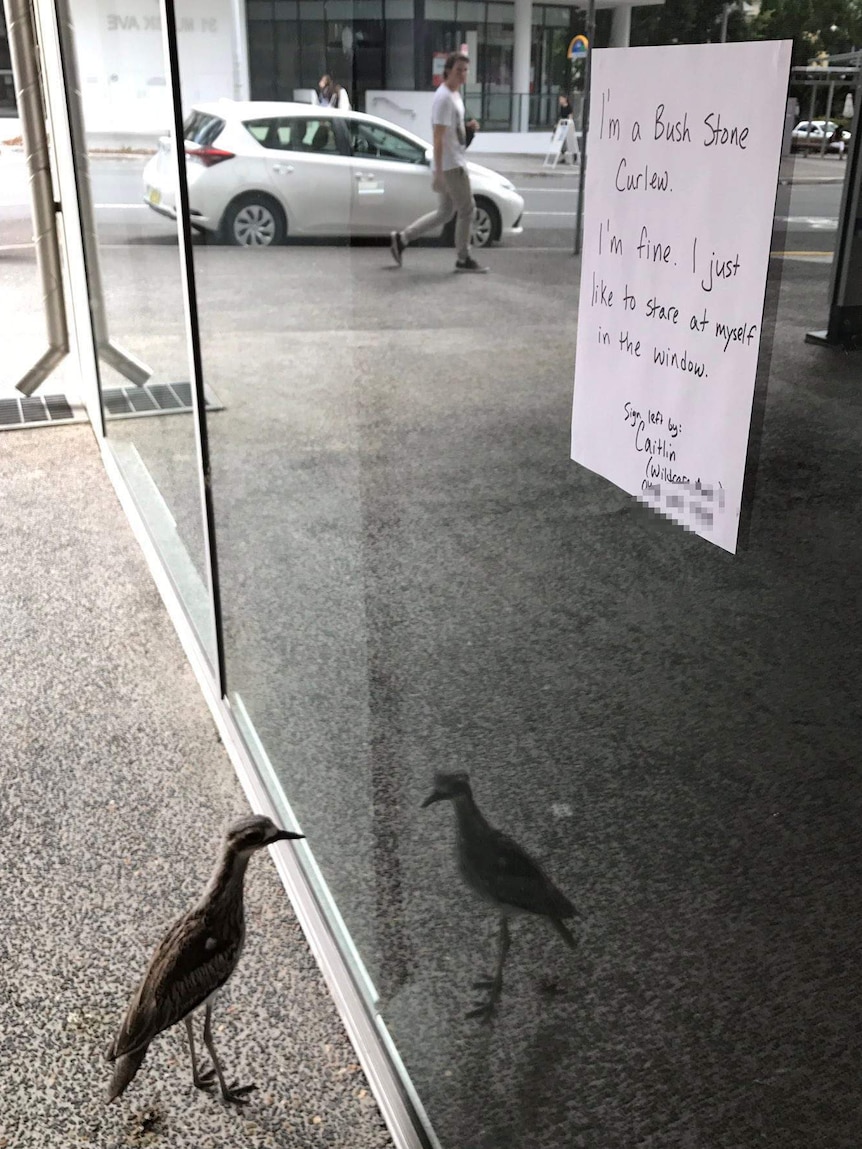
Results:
x,y
340,98
450,177
325,90
565,112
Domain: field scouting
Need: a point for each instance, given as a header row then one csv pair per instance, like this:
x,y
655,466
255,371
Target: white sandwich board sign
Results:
x,y
683,152
564,136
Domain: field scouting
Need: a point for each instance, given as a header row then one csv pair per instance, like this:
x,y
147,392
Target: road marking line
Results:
x,y
816,222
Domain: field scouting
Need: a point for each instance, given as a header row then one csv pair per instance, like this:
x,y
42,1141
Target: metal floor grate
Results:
x,y
153,399
24,412
119,403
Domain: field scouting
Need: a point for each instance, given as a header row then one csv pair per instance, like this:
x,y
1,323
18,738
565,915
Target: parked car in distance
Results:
x,y
259,172
809,135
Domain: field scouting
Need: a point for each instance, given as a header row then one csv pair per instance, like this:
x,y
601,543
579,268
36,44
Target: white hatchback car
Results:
x,y
809,134
258,172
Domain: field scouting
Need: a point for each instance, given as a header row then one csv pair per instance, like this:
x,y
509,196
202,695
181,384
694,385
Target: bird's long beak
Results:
x,y
436,796
284,836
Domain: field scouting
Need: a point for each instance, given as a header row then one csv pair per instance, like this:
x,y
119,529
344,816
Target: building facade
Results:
x,y
273,49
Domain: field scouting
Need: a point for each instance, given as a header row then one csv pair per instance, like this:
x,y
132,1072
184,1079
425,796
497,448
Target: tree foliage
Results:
x,y
685,22
814,26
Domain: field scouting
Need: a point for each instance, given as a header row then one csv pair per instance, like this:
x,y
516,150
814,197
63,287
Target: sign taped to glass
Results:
x,y
679,203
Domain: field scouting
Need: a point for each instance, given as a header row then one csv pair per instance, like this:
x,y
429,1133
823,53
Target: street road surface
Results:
x,y
549,213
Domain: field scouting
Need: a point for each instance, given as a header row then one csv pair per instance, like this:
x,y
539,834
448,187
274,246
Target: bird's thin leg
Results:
x,y
494,984
235,1092
202,1080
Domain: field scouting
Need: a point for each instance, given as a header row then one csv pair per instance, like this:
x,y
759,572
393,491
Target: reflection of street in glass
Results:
x,y
502,873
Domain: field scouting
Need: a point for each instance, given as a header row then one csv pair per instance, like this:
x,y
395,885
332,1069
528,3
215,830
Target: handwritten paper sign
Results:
x,y
684,145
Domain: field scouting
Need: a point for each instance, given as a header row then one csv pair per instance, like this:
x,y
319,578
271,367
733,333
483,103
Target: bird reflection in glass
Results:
x,y
502,873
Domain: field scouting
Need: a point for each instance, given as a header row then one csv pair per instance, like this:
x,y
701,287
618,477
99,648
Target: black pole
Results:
x,y
585,119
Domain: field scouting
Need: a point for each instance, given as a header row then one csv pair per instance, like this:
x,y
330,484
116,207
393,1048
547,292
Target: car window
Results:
x,y
202,128
296,134
373,141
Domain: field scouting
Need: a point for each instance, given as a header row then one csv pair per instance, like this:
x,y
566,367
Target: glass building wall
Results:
x,y
415,579
418,592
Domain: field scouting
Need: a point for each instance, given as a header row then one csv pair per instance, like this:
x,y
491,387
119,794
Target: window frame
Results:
x,y
359,125
282,122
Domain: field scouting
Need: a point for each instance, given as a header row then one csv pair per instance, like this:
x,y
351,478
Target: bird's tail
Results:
x,y
125,1068
564,932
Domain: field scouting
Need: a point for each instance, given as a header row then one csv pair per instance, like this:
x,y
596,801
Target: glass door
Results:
x,y
124,144
38,381
580,789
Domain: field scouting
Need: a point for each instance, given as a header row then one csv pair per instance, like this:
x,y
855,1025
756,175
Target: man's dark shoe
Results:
x,y
396,246
470,264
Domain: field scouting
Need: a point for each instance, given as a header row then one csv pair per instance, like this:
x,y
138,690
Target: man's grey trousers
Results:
x,y
457,198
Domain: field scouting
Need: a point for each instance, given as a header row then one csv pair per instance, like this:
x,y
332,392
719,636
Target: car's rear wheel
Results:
x,y
254,220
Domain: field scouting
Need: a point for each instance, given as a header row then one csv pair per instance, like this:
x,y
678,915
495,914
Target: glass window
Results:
x,y
379,143
440,10
7,92
261,60
202,128
259,9
399,10
286,58
501,13
471,11
558,17
312,48
499,46
313,134
400,56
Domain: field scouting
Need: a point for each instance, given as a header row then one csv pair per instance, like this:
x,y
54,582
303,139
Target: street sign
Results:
x,y
578,47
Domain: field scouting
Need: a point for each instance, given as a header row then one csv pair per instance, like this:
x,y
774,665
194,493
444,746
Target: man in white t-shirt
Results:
x,y
450,178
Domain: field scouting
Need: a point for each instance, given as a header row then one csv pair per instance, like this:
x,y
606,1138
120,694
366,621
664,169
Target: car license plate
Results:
x,y
154,196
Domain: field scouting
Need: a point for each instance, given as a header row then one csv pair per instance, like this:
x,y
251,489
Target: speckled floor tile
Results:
x,y
115,789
